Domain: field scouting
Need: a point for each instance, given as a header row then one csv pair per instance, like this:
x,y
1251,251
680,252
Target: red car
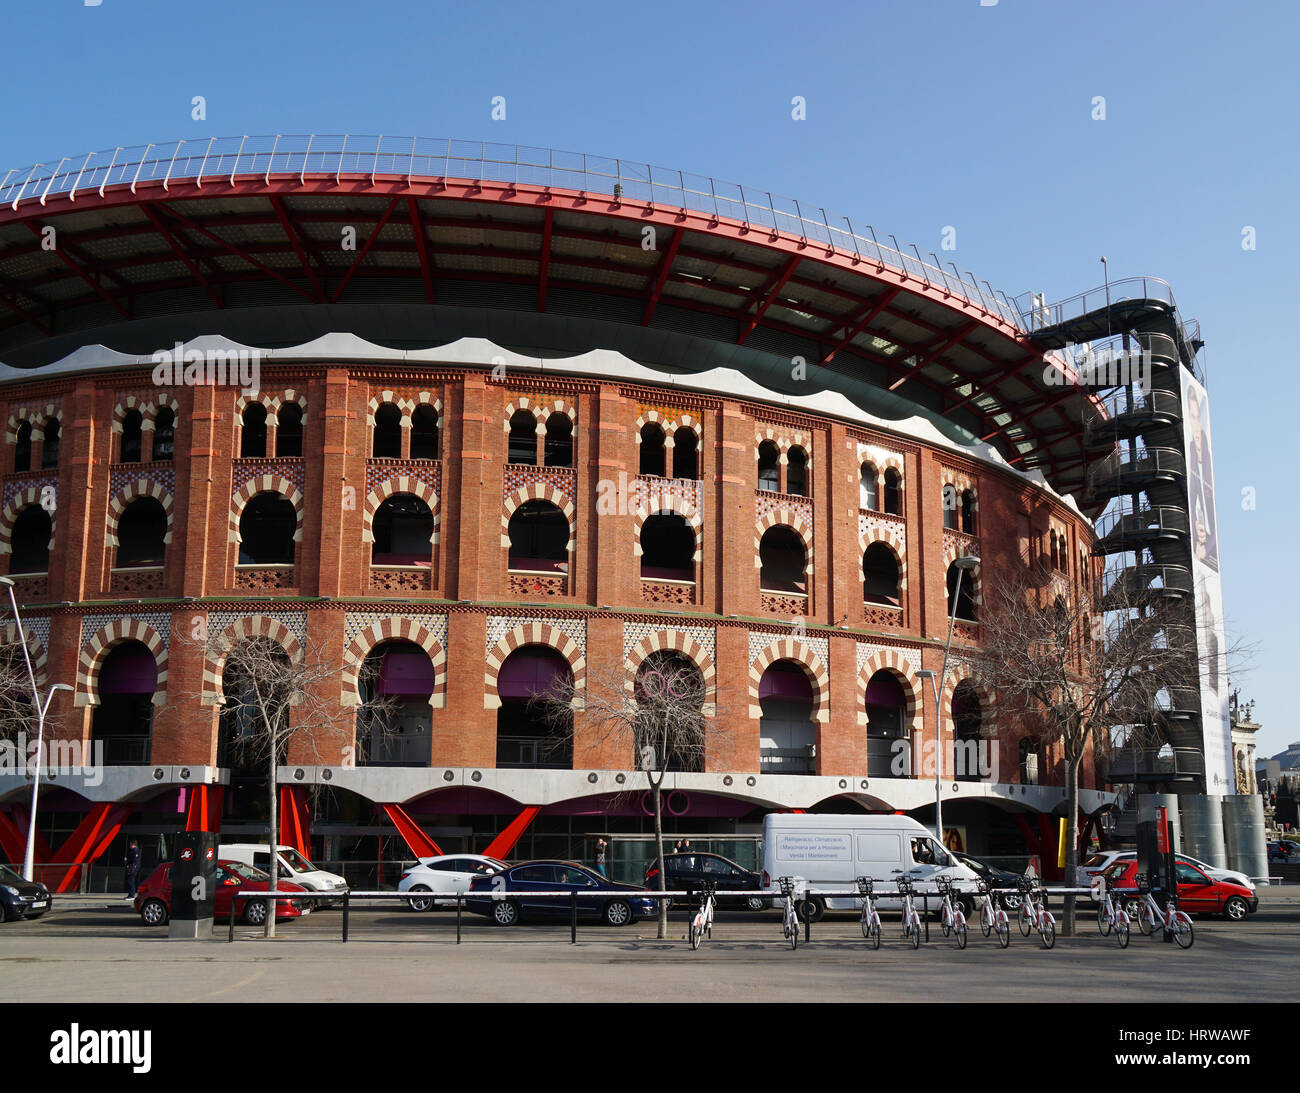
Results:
x,y
154,900
1198,893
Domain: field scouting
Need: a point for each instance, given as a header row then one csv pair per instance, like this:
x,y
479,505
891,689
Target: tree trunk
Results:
x,y
663,857
269,930
1072,838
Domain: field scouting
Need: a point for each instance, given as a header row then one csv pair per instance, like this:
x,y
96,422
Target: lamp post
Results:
x,y
963,563
29,863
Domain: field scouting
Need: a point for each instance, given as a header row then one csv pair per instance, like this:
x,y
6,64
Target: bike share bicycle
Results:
x,y
1033,914
870,916
702,923
1111,914
1171,920
790,920
992,916
911,920
951,916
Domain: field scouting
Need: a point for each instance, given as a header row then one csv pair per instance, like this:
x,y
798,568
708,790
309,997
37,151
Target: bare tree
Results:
x,y
271,698
662,719
1075,662
17,713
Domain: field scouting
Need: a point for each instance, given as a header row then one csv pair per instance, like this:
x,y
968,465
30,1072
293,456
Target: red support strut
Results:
x,y
295,819
419,843
501,846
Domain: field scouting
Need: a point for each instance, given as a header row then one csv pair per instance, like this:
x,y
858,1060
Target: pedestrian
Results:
x,y
132,868
601,846
677,847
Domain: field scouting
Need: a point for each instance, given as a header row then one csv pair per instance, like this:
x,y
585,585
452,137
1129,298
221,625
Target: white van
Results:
x,y
293,867
832,851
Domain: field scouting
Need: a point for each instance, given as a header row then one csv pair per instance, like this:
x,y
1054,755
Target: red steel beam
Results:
x,y
62,251
370,242
295,819
291,234
421,246
943,347
661,277
872,310
203,808
171,241
769,295
97,829
231,249
13,839
501,846
419,843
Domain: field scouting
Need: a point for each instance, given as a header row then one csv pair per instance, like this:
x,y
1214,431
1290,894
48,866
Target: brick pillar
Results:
x,y
201,523
837,529
926,569
331,429
609,503
729,536
842,741
464,733
75,562
324,743
733,741
600,746
476,561
184,729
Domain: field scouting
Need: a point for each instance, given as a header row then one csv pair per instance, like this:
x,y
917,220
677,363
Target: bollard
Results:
x,y
347,904
233,901
460,902
573,918
925,914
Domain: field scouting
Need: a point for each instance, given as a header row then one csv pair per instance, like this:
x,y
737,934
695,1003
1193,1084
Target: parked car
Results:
x,y
21,898
996,878
446,875
594,898
1198,892
293,867
153,902
1218,874
1283,851
691,871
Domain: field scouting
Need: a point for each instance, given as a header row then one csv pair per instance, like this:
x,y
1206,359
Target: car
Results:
x,y
292,867
153,902
1198,892
691,870
996,878
21,898
1283,851
446,875
1218,874
595,897
1096,863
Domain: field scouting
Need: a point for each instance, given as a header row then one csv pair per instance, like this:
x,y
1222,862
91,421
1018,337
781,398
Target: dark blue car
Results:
x,y
617,904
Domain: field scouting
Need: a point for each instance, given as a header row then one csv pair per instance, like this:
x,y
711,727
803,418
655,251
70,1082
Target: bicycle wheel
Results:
x,y
875,934
794,934
916,930
986,919
1146,921
1103,921
1003,927
1047,930
697,931
1183,930
959,931
1121,929
866,923
1025,924
945,924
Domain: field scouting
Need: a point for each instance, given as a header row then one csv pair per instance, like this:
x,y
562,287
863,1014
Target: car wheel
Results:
x,y
618,912
1236,909
154,913
756,903
505,913
811,910
418,904
255,912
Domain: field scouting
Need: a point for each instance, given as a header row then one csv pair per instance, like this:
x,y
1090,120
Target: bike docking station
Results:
x,y
194,886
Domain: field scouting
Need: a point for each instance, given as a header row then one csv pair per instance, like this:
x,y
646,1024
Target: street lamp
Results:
x,y
963,563
29,855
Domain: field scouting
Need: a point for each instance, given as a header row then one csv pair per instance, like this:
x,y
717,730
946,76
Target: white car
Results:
x,y
1230,875
447,876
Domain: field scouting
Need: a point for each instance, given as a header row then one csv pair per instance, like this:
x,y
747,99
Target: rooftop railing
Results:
x,y
224,159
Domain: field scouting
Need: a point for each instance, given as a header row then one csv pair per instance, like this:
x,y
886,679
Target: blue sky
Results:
x,y
920,115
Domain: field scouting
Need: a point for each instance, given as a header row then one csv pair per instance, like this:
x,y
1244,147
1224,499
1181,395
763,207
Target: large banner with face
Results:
x,y
1215,727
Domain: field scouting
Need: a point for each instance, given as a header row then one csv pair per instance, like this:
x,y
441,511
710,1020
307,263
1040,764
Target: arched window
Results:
x,y
164,435
539,538
667,548
969,763
131,437
559,441
266,530
395,722
424,432
951,503
23,448
787,733
141,530
526,735
523,438
867,487
783,560
968,511
893,493
1029,761
686,453
796,472
889,752
1056,556
880,572
965,599
252,439
769,467
288,432
123,720
387,441
30,541
652,450
669,680
50,448
403,530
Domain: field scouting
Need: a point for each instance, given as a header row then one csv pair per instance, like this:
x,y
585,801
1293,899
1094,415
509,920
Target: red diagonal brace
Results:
x,y
506,841
13,839
420,844
97,829
203,808
295,819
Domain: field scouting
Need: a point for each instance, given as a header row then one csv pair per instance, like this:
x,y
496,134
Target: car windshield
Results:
x,y
248,872
296,861
9,876
1094,859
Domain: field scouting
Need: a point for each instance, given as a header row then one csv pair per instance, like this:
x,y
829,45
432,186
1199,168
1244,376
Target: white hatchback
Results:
x,y
446,876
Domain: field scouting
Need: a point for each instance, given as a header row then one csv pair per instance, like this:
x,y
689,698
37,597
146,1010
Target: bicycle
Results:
x,y
911,920
702,923
1171,920
952,918
1110,913
870,916
992,916
1033,915
790,919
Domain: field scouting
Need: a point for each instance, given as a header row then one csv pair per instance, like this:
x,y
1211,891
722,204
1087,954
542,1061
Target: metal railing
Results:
x,y
220,160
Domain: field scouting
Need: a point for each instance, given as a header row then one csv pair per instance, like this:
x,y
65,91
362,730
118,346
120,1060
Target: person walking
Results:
x,y
132,868
601,851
